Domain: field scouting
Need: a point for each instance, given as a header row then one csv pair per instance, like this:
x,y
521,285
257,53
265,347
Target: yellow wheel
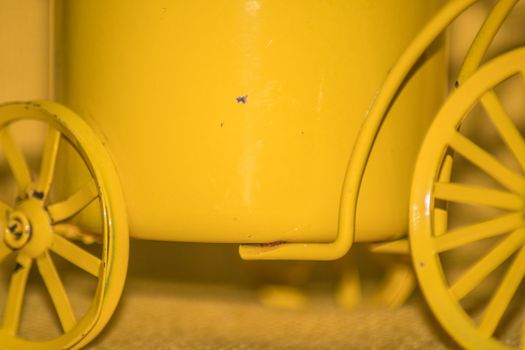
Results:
x,y
470,272
37,225
381,280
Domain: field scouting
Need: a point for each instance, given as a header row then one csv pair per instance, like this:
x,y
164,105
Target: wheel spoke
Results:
x,y
4,210
16,161
15,295
483,267
478,196
487,163
74,204
505,126
501,299
76,255
74,233
350,292
4,251
56,291
476,232
47,167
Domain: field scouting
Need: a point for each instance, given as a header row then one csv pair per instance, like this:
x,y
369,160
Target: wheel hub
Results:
x,y
28,229
18,231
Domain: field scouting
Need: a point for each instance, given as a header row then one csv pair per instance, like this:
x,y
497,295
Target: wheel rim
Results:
x,y
506,258
35,227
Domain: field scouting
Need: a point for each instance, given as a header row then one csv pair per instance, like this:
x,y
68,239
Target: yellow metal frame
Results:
x,y
267,170
361,152
114,263
427,242
428,230
34,216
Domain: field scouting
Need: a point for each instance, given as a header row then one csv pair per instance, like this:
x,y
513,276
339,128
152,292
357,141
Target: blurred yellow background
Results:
x,y
24,43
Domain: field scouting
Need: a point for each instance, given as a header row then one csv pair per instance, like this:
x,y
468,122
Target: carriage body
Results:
x,y
234,121
291,128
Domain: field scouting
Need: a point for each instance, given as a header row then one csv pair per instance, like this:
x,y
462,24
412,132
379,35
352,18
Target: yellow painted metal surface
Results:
x,y
433,241
32,229
234,121
447,296
362,155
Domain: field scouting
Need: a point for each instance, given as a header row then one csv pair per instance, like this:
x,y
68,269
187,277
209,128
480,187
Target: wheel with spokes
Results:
x,y
472,271
40,232
380,280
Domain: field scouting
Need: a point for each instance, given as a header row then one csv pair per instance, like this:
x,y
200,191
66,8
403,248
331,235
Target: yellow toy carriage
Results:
x,y
291,128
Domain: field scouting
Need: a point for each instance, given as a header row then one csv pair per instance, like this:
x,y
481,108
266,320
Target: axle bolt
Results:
x,y
18,231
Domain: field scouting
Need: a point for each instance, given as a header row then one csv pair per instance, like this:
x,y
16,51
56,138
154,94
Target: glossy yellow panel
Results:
x,y
233,121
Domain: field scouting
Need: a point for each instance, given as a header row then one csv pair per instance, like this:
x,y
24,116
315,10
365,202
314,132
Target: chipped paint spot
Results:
x,y
38,195
18,266
242,99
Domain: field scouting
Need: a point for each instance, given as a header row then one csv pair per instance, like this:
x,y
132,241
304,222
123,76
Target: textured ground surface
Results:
x,y
211,304
190,317
186,297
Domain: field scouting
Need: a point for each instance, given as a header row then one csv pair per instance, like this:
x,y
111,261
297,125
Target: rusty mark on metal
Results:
x,y
271,244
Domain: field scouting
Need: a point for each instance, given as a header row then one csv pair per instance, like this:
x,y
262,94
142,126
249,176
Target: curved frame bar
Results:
x,y
484,38
361,152
371,126
472,61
